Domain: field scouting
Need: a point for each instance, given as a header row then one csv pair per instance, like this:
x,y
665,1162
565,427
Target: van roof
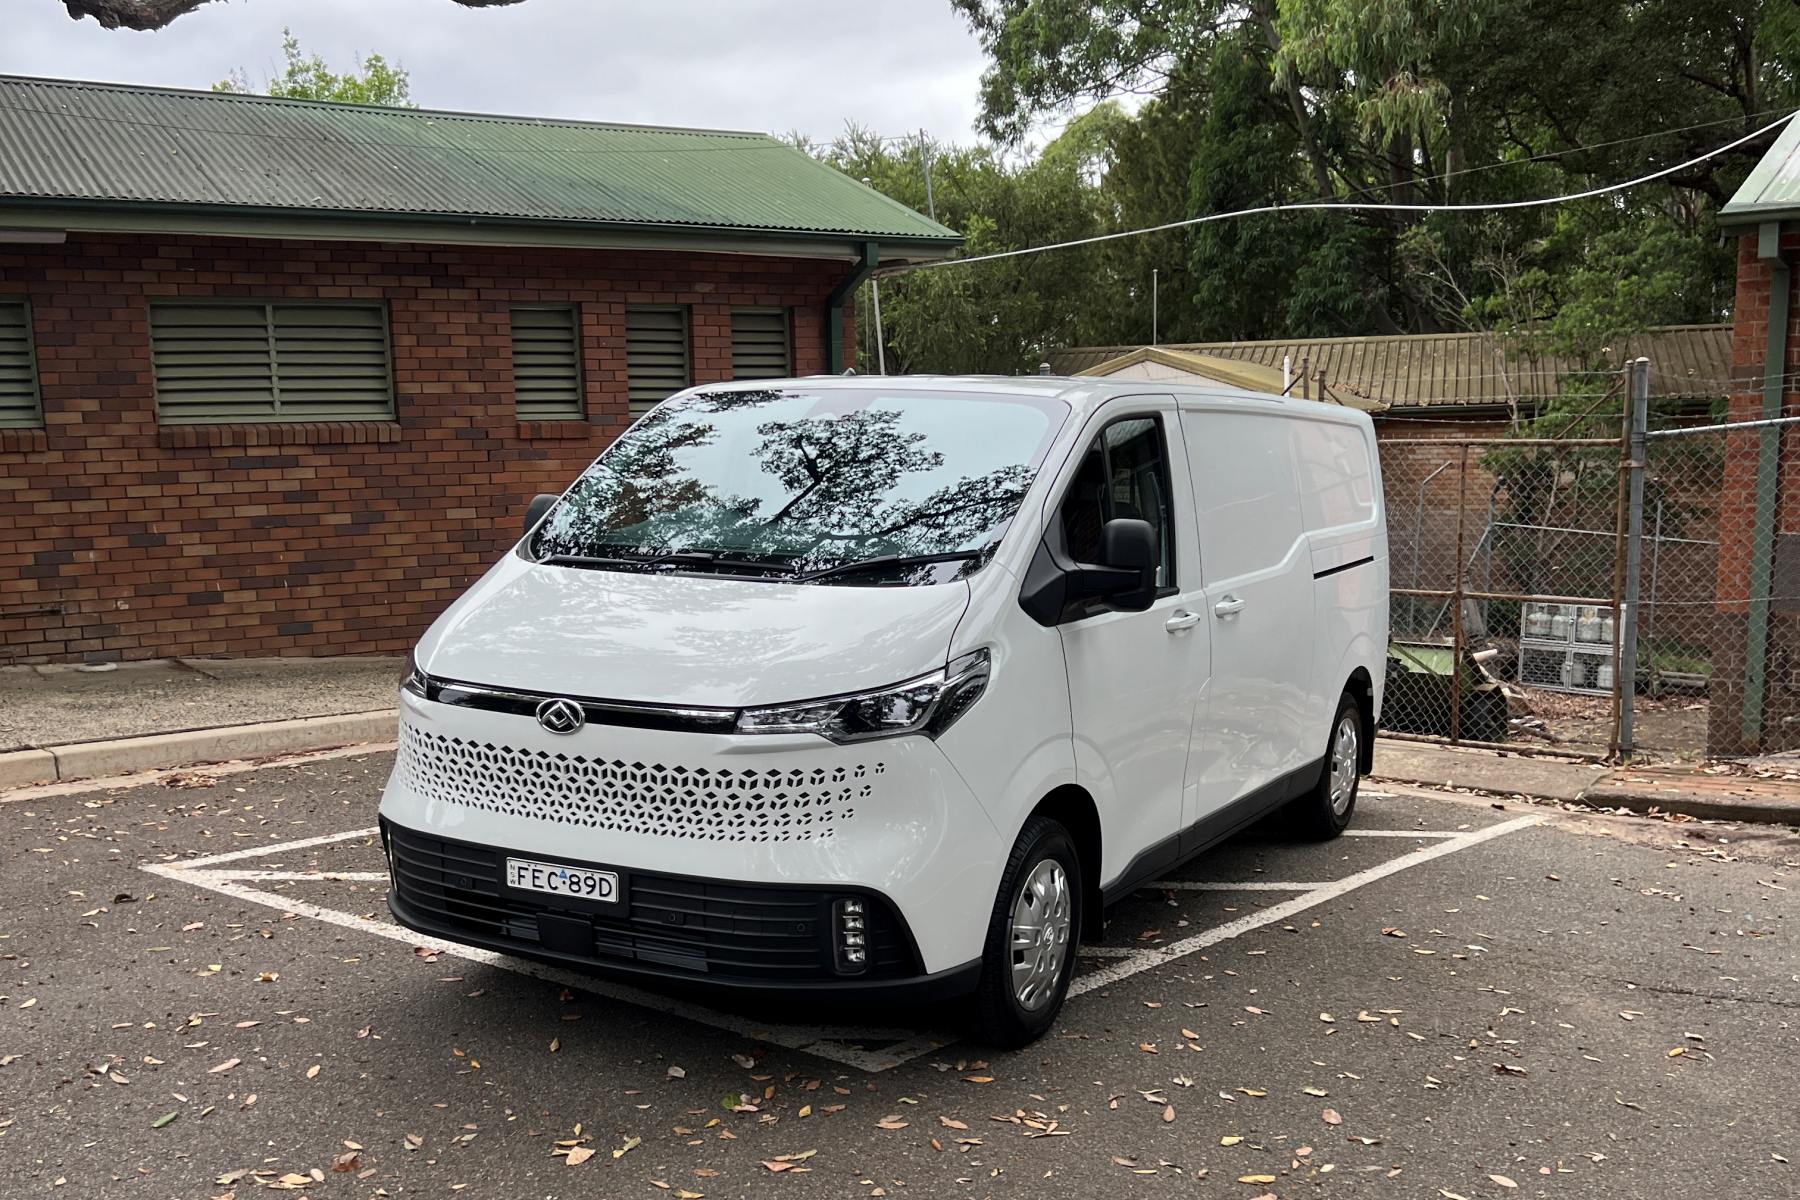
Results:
x,y
1081,393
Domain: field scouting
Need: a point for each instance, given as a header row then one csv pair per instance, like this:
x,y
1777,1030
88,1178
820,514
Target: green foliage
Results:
x,y
309,78
1256,102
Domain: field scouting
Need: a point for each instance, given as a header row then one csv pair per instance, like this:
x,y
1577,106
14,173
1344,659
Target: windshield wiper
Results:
x,y
887,560
681,558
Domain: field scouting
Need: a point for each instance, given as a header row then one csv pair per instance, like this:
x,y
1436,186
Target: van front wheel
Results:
x,y
1032,933
1325,811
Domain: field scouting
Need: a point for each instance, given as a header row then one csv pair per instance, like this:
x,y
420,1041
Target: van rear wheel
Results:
x,y
1325,811
1029,953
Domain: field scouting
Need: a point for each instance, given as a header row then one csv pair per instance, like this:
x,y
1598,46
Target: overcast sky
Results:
x,y
771,65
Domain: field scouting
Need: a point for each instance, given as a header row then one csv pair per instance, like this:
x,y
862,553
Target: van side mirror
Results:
x,y
540,504
1129,554
1125,577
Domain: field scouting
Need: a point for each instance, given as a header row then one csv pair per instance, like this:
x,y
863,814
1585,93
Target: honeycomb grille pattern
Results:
x,y
633,797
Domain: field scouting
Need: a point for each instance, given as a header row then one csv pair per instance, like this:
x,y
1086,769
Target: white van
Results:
x,y
890,685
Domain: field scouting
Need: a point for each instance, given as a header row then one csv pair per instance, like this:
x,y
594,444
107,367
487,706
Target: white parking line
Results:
x,y
841,1044
1143,960
308,876
846,1045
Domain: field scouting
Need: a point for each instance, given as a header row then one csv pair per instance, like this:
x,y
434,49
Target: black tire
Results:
x,y
1316,815
1002,1019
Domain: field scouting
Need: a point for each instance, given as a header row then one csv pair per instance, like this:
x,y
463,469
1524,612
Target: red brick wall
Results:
x,y
126,540
1737,551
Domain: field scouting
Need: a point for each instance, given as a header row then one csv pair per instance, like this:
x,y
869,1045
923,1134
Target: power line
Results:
x,y
1351,206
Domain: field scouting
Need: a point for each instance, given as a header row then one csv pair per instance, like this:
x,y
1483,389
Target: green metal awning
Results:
x,y
102,155
1772,190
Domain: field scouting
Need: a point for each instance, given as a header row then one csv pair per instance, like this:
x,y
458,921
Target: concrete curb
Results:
x,y
125,756
1711,806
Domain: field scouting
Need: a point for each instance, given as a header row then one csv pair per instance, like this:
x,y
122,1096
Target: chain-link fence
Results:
x,y
1596,595
1718,665
1503,557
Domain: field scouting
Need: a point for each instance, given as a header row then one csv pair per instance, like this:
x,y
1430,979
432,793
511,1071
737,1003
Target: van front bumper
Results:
x,y
726,846
662,928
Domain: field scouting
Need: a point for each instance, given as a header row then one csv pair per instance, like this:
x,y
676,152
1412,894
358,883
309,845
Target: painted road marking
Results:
x,y
865,1049
843,1045
1143,960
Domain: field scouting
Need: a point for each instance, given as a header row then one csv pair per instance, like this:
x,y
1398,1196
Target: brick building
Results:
x,y
277,377
1756,650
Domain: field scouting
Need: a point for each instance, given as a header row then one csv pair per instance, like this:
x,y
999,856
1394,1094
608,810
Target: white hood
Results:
x,y
715,641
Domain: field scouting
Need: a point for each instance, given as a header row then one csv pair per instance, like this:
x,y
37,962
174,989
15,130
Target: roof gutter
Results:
x,y
257,221
1768,475
834,306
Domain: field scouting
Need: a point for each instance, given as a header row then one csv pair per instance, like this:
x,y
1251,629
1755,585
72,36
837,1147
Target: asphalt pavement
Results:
x,y
201,996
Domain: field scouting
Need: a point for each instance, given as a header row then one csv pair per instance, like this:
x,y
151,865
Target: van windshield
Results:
x,y
846,485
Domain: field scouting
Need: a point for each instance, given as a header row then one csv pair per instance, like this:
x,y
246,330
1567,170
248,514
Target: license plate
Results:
x,y
555,879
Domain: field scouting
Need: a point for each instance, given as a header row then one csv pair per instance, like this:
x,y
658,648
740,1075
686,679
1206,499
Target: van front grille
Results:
x,y
695,926
662,799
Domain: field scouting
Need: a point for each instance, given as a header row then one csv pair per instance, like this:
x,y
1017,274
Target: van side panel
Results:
x,y
1259,584
1340,480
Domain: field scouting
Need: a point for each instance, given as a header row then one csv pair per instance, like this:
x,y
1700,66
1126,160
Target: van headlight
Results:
x,y
414,680
929,705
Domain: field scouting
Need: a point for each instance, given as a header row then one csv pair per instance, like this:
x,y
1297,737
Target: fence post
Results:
x,y
1456,598
1637,447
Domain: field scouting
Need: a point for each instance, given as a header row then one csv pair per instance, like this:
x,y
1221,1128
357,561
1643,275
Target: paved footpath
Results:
x,y
201,996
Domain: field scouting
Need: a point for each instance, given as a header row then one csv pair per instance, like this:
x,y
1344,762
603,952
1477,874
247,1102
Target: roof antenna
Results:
x,y
1043,368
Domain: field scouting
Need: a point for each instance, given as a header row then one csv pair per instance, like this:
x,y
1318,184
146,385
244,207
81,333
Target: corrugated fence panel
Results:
x,y
546,353
760,346
656,355
18,371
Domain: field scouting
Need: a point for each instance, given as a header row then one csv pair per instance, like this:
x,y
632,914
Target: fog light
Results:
x,y
848,936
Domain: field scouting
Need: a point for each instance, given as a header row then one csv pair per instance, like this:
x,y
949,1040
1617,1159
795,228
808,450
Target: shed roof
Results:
x,y
1772,189
70,145
1181,366
1456,370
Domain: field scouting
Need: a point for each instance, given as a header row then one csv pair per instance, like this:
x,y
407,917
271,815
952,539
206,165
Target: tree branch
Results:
x,y
157,14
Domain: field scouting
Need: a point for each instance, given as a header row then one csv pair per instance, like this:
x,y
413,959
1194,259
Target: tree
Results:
x,y
156,14
310,79
1402,101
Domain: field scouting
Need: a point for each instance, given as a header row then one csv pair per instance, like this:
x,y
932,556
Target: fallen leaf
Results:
x,y
312,1072
774,1166
165,1119
1315,1091
577,1155
677,1073
1256,1179
892,1122
224,1066
951,1123
1330,1117
1230,1139
1168,1113
1503,1181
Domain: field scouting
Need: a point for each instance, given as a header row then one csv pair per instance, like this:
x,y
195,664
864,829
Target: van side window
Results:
x,y
1125,474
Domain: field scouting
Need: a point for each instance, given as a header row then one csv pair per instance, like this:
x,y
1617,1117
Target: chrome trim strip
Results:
x,y
598,712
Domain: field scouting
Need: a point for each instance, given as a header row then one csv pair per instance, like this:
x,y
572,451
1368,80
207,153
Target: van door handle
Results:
x,y
1183,619
1227,606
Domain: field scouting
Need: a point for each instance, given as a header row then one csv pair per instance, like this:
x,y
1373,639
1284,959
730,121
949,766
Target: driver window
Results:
x,y
1124,474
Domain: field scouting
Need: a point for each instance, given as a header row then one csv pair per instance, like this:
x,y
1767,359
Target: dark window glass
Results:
x,y
1125,474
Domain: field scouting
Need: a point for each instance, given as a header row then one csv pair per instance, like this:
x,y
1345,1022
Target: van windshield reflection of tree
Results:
x,y
852,488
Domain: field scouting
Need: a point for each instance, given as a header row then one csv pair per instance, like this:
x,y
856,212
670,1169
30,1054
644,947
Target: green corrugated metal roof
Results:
x,y
1773,187
1457,370
63,141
